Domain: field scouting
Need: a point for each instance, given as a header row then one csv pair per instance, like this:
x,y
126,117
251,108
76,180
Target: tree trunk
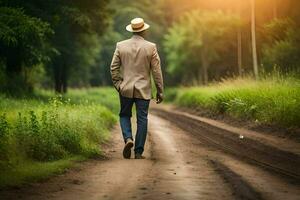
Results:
x,y
239,51
64,78
57,66
204,62
13,60
253,37
60,75
239,44
58,83
200,76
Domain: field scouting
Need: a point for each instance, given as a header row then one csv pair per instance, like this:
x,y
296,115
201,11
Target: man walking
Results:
x,y
133,62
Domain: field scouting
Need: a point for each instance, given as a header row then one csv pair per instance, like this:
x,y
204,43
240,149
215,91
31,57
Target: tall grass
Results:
x,y
38,133
272,100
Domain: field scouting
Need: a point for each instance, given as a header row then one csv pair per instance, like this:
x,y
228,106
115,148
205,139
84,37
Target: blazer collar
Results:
x,y
137,37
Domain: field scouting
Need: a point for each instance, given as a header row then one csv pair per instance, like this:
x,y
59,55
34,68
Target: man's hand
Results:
x,y
159,98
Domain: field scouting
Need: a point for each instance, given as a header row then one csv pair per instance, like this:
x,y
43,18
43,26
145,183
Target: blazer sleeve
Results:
x,y
115,69
156,71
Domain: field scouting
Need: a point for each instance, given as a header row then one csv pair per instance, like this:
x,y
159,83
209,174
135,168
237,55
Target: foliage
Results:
x,y
100,72
56,130
18,28
191,47
176,55
61,36
38,130
269,101
282,46
23,44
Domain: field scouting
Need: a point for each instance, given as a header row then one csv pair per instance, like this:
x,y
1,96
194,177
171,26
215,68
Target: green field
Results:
x,y
274,101
45,134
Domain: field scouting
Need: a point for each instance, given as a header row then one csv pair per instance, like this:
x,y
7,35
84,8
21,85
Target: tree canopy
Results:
x,y
61,43
191,47
62,36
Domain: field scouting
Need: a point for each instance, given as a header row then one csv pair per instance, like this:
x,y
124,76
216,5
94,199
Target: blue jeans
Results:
x,y
125,114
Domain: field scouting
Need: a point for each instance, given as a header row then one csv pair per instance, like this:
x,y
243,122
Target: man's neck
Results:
x,y
138,36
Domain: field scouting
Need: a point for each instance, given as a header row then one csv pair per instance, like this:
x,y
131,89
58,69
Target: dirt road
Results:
x,y
178,166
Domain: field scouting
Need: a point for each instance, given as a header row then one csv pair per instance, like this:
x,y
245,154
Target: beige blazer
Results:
x,y
133,63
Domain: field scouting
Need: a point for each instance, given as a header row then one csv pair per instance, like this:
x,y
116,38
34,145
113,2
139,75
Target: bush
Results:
x,y
55,130
43,134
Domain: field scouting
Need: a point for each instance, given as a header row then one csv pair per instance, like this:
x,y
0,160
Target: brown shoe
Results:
x,y
127,149
139,156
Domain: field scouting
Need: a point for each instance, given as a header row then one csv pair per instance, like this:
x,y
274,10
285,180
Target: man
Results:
x,y
133,62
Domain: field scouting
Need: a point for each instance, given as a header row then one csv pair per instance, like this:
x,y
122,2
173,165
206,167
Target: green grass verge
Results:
x,y
43,134
30,171
274,101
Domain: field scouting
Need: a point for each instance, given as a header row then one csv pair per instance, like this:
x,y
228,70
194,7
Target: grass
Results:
x,y
42,135
30,171
273,101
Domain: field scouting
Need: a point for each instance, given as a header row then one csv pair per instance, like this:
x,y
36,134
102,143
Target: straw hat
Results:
x,y
137,25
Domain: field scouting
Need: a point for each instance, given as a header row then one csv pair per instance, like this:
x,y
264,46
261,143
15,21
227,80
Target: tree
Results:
x,y
281,48
176,55
191,47
23,44
253,39
239,42
101,75
77,21
76,26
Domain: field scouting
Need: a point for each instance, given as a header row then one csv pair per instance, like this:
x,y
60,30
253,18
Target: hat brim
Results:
x,y
145,27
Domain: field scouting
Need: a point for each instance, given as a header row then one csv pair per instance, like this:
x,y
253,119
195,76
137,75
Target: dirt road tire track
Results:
x,y
241,188
283,163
